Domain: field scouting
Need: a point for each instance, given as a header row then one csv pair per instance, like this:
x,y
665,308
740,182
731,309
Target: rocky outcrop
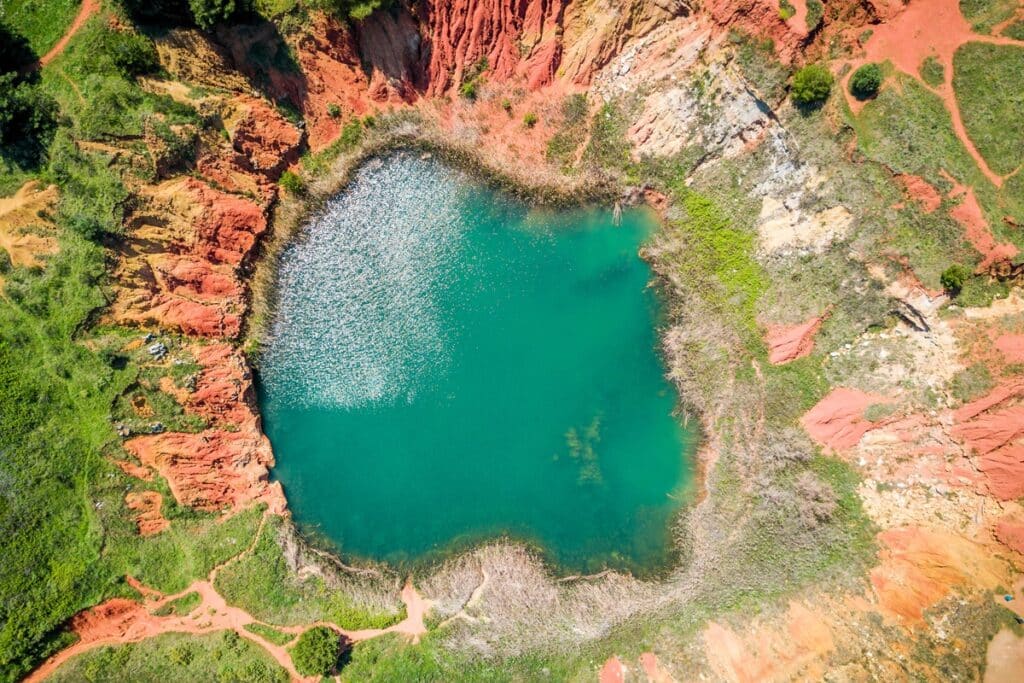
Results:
x,y
211,470
838,421
178,267
145,506
227,464
920,567
512,38
267,141
786,343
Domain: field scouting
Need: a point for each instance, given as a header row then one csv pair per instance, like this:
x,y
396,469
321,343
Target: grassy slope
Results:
x,y
987,84
68,540
41,23
222,657
262,584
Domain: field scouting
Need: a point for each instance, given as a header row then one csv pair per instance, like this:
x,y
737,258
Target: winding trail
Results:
x,y
119,620
928,28
88,8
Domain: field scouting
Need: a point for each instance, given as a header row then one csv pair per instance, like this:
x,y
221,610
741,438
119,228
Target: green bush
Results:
x,y
352,9
92,198
469,89
815,13
292,183
865,81
163,12
131,53
530,119
812,84
333,110
317,652
971,383
932,72
954,277
209,13
28,117
786,9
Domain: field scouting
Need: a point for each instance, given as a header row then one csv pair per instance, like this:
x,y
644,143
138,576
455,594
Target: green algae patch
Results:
x,y
447,365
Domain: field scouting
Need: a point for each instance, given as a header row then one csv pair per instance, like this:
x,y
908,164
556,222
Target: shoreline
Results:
x,y
290,214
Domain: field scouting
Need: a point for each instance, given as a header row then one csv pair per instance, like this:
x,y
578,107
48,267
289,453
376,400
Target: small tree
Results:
x,y
812,84
317,652
208,13
530,119
292,183
954,278
865,81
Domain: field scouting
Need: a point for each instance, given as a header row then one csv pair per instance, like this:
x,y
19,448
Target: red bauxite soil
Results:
x,y
788,342
837,421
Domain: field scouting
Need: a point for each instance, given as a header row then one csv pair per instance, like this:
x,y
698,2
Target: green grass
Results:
x,y
932,72
986,82
815,13
571,132
217,657
41,22
722,254
984,14
1015,30
971,383
270,634
908,129
756,57
190,549
54,401
262,584
180,607
608,147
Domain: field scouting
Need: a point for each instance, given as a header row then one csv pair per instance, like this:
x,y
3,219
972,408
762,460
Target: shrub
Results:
x,y
209,13
5,261
27,120
469,89
165,12
317,652
133,54
932,72
812,84
92,197
971,383
786,9
333,110
15,50
357,10
815,13
506,104
293,183
865,81
530,119
954,277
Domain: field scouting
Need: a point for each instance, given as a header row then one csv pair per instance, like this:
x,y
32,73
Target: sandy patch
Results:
x,y
24,234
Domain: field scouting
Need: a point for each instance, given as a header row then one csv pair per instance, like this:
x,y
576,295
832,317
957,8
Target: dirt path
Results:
x,y
119,621
89,8
928,28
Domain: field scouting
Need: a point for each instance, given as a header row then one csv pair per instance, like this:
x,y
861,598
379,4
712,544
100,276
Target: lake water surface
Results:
x,y
447,365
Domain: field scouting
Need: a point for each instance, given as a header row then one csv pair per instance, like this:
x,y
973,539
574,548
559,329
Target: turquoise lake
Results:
x,y
447,365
